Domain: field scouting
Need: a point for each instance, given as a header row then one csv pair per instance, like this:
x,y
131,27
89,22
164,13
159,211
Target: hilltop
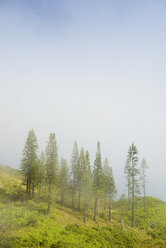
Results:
x,y
25,223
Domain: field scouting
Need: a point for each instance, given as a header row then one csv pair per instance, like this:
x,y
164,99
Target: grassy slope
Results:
x,y
25,224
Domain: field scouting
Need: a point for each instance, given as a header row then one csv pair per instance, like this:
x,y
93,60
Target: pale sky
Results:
x,y
87,70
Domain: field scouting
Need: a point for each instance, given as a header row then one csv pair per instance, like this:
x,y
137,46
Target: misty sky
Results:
x,y
87,70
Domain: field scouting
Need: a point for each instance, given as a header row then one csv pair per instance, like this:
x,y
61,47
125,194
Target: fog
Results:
x,y
88,71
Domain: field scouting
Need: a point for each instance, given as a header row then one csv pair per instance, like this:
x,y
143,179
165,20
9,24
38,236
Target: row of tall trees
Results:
x,y
80,184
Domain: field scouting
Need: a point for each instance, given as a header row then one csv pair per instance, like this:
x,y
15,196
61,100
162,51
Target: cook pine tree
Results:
x,y
80,165
29,163
86,182
63,181
51,166
41,175
109,185
134,175
127,172
105,170
74,164
97,179
143,168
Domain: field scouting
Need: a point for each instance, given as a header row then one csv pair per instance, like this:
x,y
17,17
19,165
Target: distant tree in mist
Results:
x,y
86,181
105,182
144,167
80,166
74,164
52,165
109,185
41,174
29,162
134,173
97,179
127,171
63,180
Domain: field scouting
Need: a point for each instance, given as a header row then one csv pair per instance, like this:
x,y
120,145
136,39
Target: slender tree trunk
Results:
x,y
128,194
95,208
45,186
85,207
132,212
98,222
29,188
105,199
38,195
33,189
73,194
27,184
73,199
62,200
122,219
109,208
49,198
144,200
133,196
79,197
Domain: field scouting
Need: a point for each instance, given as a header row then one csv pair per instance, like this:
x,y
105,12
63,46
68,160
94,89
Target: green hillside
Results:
x,y
25,223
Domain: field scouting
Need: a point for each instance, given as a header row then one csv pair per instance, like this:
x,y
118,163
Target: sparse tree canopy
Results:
x,y
74,168
86,181
98,177
52,165
109,185
143,168
127,171
29,162
63,180
134,173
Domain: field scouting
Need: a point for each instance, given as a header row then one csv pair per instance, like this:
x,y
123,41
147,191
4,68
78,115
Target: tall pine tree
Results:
x,y
133,158
109,185
52,165
80,166
74,164
41,174
86,181
127,171
143,180
97,179
63,180
29,162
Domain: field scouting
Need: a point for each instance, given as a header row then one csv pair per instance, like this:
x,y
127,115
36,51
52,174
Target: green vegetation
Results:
x,y
25,223
55,205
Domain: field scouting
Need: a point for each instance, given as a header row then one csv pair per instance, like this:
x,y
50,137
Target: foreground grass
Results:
x,y
26,224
